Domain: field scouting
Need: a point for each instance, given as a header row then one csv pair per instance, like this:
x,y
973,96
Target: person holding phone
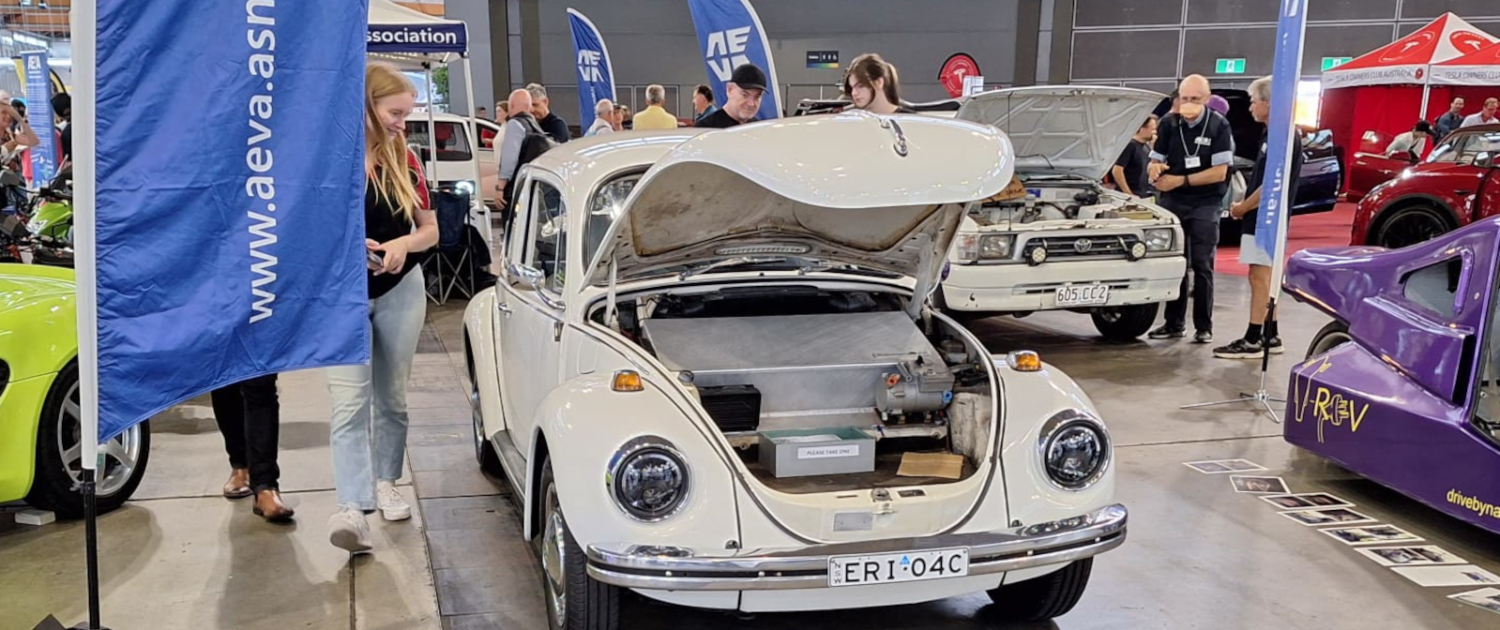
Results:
x,y
15,135
369,424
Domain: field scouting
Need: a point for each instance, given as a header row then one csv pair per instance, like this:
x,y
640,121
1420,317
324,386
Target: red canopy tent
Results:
x,y
1374,97
1478,68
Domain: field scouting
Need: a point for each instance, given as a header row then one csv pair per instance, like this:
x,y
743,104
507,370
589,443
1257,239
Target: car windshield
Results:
x,y
1465,148
452,142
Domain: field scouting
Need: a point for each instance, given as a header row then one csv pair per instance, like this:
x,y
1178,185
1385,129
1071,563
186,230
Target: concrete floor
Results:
x,y
1199,555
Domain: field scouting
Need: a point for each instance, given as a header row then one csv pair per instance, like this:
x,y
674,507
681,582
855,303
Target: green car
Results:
x,y
40,455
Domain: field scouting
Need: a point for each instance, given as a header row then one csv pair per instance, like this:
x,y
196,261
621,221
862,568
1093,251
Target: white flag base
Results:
x,y
1260,396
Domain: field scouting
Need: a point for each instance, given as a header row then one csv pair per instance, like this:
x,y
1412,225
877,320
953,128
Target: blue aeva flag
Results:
x,y
1270,235
596,75
229,222
730,35
39,116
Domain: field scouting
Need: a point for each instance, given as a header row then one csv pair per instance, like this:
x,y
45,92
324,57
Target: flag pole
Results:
x,y
1291,30
84,33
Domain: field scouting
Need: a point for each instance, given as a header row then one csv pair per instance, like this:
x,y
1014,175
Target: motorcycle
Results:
x,y
51,224
15,213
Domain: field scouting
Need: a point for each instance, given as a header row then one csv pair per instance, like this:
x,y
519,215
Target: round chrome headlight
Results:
x,y
1075,450
649,480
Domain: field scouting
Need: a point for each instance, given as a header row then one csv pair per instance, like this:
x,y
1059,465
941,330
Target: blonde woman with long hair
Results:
x,y
369,401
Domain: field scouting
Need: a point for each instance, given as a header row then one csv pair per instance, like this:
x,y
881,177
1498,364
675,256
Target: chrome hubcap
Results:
x,y
554,560
119,455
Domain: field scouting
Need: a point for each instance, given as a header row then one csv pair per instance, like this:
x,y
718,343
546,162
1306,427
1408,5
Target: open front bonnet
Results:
x,y
878,192
1072,129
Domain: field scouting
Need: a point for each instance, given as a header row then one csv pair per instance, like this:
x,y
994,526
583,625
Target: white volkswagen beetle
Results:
x,y
712,376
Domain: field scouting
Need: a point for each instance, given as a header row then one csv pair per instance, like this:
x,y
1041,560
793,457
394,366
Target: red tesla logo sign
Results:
x,y
1411,49
958,66
1467,41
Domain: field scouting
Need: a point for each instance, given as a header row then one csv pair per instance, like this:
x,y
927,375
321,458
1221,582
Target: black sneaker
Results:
x,y
1168,332
1240,349
1274,344
1203,336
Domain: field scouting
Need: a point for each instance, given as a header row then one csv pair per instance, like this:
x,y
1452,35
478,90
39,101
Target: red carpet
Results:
x,y
1325,229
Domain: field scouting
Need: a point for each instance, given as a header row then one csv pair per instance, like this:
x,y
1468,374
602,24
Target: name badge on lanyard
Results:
x,y
1204,140
1192,161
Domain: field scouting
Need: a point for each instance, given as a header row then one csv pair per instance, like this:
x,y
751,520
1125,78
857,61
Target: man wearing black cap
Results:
x,y
745,87
1410,144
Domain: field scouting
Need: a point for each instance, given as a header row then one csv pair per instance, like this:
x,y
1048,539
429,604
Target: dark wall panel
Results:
x,y
1418,9
1340,41
1124,54
1128,12
1329,10
1231,11
1255,45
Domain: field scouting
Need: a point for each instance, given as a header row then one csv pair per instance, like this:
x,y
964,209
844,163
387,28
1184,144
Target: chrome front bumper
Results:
x,y
1043,544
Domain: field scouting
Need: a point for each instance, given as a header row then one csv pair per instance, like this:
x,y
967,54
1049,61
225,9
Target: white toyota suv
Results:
x,y
1057,239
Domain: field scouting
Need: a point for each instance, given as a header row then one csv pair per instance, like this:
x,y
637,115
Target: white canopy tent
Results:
x,y
415,40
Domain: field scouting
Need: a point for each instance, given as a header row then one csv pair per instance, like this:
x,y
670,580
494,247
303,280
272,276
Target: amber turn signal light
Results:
x,y
1024,361
627,381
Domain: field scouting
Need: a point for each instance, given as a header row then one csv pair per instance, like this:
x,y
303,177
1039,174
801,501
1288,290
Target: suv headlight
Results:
x,y
1075,450
648,479
1159,240
996,246
966,246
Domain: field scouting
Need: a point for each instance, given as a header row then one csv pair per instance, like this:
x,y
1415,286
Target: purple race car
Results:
x,y
1404,387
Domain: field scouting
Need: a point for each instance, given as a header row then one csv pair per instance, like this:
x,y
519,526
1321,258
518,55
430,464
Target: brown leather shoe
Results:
x,y
238,486
269,506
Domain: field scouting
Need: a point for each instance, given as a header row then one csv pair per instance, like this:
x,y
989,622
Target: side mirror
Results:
x,y
1485,160
525,276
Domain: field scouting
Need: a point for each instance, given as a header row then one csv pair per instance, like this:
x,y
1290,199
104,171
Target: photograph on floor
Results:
x,y
1371,534
1328,516
1411,556
1258,485
1219,466
1460,575
1304,501
1485,598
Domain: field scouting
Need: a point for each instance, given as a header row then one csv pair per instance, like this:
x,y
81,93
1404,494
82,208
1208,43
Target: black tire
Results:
x,y
484,451
52,486
587,604
1046,597
1331,336
1411,225
1125,323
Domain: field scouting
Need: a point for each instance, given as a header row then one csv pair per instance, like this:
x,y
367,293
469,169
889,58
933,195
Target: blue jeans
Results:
x,y
369,401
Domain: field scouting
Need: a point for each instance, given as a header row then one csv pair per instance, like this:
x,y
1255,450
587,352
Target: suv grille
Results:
x,y
1110,246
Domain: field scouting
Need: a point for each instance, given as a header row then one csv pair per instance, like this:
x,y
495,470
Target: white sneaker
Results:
x,y
348,530
393,507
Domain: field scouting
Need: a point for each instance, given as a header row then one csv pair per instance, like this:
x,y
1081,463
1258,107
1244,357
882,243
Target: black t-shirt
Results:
x,y
1181,143
718,120
1134,160
384,223
556,127
1247,223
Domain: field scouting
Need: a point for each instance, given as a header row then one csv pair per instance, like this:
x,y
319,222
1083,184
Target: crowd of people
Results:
x,y
1413,144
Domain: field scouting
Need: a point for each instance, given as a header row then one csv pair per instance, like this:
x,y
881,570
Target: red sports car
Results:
x,y
1458,184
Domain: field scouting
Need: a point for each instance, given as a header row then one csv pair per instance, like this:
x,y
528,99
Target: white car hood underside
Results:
x,y
1074,129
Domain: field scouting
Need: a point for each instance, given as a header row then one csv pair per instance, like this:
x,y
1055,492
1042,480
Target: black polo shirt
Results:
x,y
718,120
1188,148
1134,160
1247,223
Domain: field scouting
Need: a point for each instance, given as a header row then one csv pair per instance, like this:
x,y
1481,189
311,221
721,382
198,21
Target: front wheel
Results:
x,y
574,600
1046,597
1333,335
1411,225
59,455
1125,323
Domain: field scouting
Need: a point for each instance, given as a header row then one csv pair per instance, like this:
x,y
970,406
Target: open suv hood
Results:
x,y
1073,129
881,193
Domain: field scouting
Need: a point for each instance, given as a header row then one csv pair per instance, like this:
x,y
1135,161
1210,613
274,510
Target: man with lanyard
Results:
x,y
1190,168
1261,335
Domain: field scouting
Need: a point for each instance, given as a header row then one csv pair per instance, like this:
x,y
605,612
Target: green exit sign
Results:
x,y
1230,66
1330,63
